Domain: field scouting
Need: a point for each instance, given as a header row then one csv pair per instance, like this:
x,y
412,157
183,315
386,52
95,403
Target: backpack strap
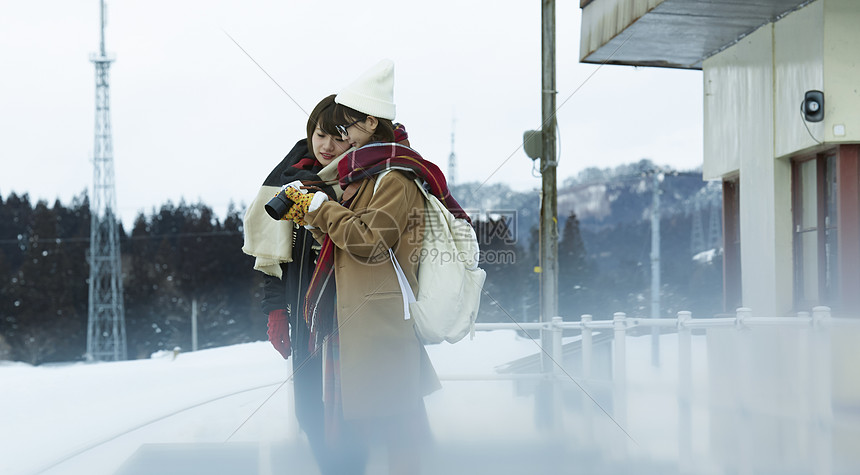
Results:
x,y
379,178
405,288
421,183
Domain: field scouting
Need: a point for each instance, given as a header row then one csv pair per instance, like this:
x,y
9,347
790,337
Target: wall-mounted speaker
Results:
x,y
813,106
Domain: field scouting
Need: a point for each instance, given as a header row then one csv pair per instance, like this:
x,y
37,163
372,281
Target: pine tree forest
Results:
x,y
182,254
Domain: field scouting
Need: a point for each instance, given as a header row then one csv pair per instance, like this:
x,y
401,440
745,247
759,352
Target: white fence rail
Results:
x,y
767,393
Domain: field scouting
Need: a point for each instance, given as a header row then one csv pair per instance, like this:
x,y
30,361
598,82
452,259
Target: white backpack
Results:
x,y
449,279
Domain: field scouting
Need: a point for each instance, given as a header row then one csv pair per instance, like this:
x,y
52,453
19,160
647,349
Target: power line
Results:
x,y
139,237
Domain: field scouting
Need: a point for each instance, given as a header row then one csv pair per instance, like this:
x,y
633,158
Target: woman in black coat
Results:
x,y
285,286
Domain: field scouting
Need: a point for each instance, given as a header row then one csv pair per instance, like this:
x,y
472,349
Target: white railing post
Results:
x,y
804,408
586,378
557,353
744,415
619,377
685,394
742,314
821,387
586,346
558,373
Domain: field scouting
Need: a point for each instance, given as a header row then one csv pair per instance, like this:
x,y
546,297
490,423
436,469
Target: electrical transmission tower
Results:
x,y
106,323
715,227
697,235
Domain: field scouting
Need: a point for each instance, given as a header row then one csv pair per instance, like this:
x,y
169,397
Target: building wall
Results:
x,y
799,67
816,48
753,126
739,140
796,63
721,76
842,69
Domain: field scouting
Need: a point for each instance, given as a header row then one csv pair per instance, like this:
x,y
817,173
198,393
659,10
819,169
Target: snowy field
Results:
x,y
90,418
99,418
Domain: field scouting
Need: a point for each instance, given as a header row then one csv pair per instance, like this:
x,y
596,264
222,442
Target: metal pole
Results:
x,y
194,325
102,23
655,268
549,205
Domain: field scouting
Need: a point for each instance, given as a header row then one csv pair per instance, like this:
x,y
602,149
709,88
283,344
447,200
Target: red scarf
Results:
x,y
358,165
308,163
376,157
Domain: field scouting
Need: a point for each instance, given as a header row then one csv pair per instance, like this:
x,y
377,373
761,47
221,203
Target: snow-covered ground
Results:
x,y
90,418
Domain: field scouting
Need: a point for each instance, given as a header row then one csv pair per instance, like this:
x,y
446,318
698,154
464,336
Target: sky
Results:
x,y
194,118
237,395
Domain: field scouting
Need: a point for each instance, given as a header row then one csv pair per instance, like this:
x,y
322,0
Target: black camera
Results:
x,y
278,206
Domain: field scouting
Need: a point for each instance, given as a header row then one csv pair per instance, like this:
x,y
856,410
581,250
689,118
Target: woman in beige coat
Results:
x,y
377,371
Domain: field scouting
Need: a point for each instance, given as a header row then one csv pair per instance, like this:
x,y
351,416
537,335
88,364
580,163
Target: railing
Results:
x,y
740,415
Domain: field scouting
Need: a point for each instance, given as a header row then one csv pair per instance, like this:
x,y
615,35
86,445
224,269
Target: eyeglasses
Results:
x,y
341,129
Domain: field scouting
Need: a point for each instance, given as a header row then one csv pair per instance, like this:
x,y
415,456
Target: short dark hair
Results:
x,y
342,115
314,118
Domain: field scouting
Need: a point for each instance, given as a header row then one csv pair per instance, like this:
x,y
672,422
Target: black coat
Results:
x,y
288,293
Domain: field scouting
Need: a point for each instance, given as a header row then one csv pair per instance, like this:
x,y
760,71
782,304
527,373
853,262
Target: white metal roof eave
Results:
x,y
674,33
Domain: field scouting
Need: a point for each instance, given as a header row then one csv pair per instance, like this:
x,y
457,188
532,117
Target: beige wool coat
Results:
x,y
384,368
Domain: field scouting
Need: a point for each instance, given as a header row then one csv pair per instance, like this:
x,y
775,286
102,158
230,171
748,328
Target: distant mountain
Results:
x,y
613,206
601,198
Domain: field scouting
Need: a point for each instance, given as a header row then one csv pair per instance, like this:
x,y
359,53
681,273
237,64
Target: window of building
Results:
x,y
732,283
815,194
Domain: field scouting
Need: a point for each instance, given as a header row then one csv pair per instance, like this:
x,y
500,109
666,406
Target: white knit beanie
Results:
x,y
373,92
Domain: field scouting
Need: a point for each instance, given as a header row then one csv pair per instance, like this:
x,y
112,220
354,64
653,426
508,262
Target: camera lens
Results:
x,y
278,206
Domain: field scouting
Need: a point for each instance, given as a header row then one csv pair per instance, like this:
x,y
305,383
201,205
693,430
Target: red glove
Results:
x,y
279,331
